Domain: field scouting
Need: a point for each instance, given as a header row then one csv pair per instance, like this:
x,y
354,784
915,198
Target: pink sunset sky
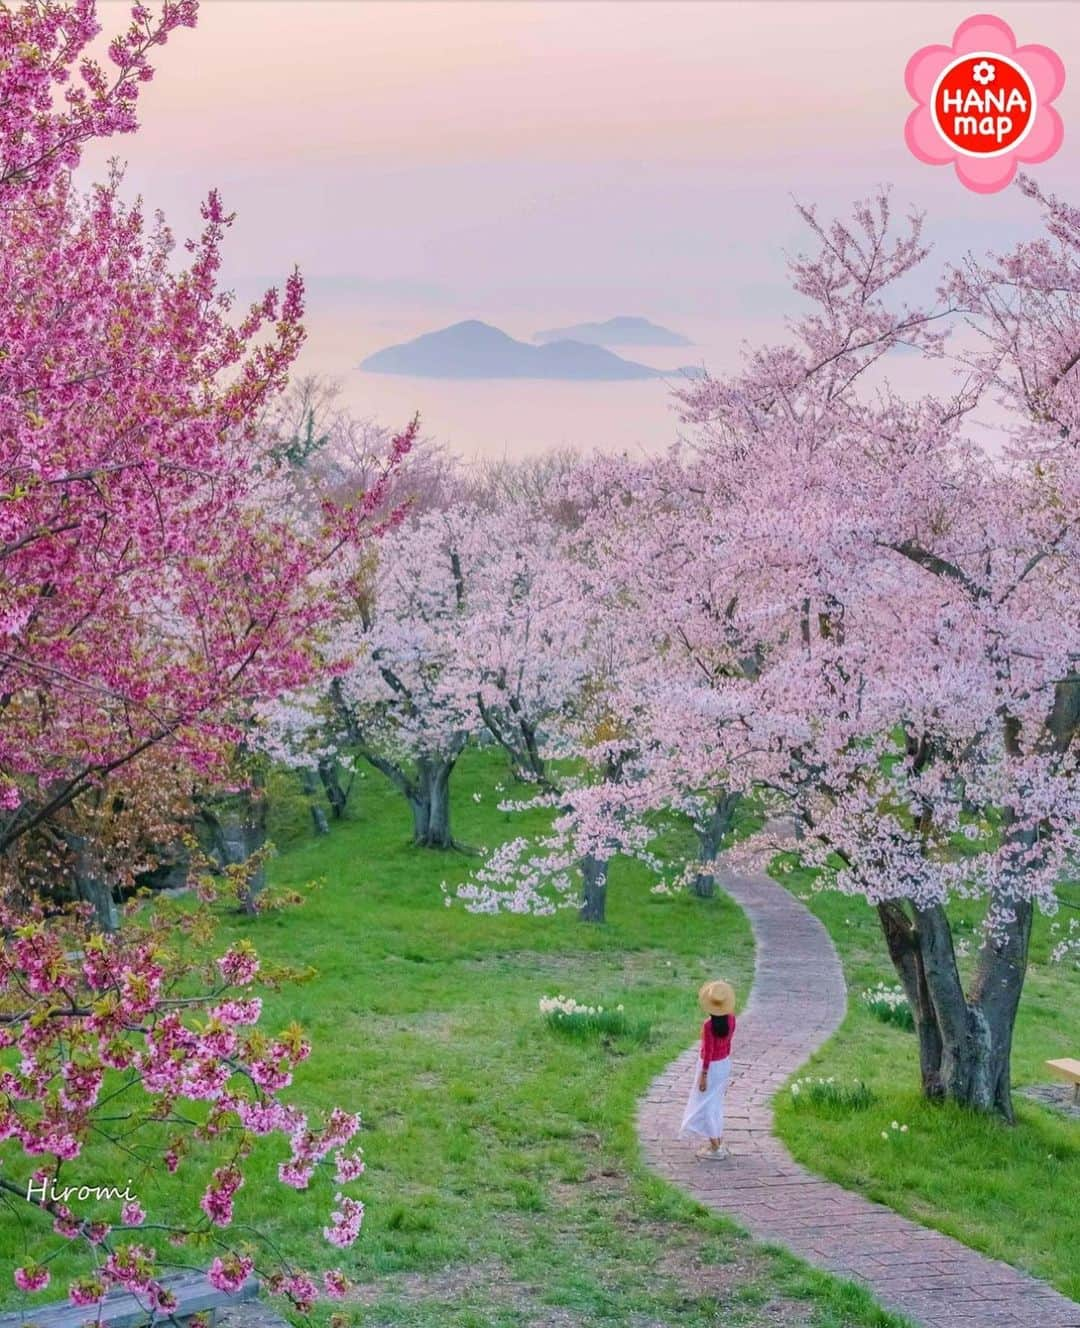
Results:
x,y
530,162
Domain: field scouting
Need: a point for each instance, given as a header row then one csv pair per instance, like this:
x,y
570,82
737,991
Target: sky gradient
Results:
x,y
534,163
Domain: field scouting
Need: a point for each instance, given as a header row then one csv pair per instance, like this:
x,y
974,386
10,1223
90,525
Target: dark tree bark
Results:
x,y
237,831
336,796
425,782
310,786
430,802
965,1039
594,875
594,870
91,885
519,740
711,837
902,942
171,869
426,787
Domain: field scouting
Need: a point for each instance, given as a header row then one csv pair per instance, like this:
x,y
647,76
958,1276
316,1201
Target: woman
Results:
x,y
704,1113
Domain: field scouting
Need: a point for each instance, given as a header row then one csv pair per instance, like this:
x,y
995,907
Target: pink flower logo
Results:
x,y
984,103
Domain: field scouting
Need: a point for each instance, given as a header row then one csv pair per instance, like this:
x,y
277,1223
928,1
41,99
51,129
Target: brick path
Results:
x,y
799,998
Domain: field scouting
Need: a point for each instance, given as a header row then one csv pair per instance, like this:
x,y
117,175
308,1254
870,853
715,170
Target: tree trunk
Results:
x,y
90,884
170,871
999,980
965,1040
594,873
421,817
310,786
429,799
237,831
710,839
519,740
532,766
244,833
335,794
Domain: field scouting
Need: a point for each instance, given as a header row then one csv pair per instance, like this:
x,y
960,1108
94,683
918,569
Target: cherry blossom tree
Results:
x,y
122,836
579,643
153,592
150,580
54,96
459,626
121,1042
912,582
597,814
649,533
520,641
403,698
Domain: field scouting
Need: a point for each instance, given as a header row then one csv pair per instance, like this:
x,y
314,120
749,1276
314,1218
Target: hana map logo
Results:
x,y
984,103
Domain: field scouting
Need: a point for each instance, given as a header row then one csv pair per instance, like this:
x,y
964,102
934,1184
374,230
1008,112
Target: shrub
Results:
x,y
890,1005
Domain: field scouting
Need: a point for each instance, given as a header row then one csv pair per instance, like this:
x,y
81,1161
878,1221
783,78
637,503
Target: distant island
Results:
x,y
624,330
477,350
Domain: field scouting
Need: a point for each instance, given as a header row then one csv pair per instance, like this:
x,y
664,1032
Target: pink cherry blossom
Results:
x,y
143,481
230,1274
239,965
346,1222
335,1284
86,1291
32,1278
348,1167
458,630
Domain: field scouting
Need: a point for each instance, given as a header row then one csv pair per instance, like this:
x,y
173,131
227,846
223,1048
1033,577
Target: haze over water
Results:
x,y
540,164
496,417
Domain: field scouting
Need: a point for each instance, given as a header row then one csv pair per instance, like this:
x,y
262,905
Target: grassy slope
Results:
x,y
1010,1192
502,1181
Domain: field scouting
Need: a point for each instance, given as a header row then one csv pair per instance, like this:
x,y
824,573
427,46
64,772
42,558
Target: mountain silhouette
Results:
x,y
624,330
477,350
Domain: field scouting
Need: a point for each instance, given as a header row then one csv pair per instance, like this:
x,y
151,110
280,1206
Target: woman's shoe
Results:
x,y
716,1154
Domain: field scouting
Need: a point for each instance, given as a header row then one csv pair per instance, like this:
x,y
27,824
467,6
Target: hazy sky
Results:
x,y
531,161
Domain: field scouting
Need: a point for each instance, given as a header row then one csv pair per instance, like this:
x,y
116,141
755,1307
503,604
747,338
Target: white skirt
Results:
x,y
704,1112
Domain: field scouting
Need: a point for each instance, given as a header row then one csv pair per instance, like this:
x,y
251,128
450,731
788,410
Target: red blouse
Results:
x,y
715,1048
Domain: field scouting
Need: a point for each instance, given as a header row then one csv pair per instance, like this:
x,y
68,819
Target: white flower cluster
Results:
x,y
799,1084
566,1005
894,1129
883,997
1066,942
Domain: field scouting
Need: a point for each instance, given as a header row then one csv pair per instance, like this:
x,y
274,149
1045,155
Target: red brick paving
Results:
x,y
799,998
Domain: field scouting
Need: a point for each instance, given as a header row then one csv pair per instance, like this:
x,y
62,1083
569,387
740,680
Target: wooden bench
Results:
x,y
1069,1070
193,1292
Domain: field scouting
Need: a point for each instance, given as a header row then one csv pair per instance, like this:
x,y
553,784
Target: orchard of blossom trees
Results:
x,y
456,632
855,611
852,614
860,610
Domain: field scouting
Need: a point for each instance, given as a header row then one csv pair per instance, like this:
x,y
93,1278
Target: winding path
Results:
x,y
799,998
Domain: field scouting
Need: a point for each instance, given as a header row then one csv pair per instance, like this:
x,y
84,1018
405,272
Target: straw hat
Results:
x,y
717,998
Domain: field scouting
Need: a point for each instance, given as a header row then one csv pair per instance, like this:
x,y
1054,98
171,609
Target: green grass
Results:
x,y
1008,1191
503,1187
